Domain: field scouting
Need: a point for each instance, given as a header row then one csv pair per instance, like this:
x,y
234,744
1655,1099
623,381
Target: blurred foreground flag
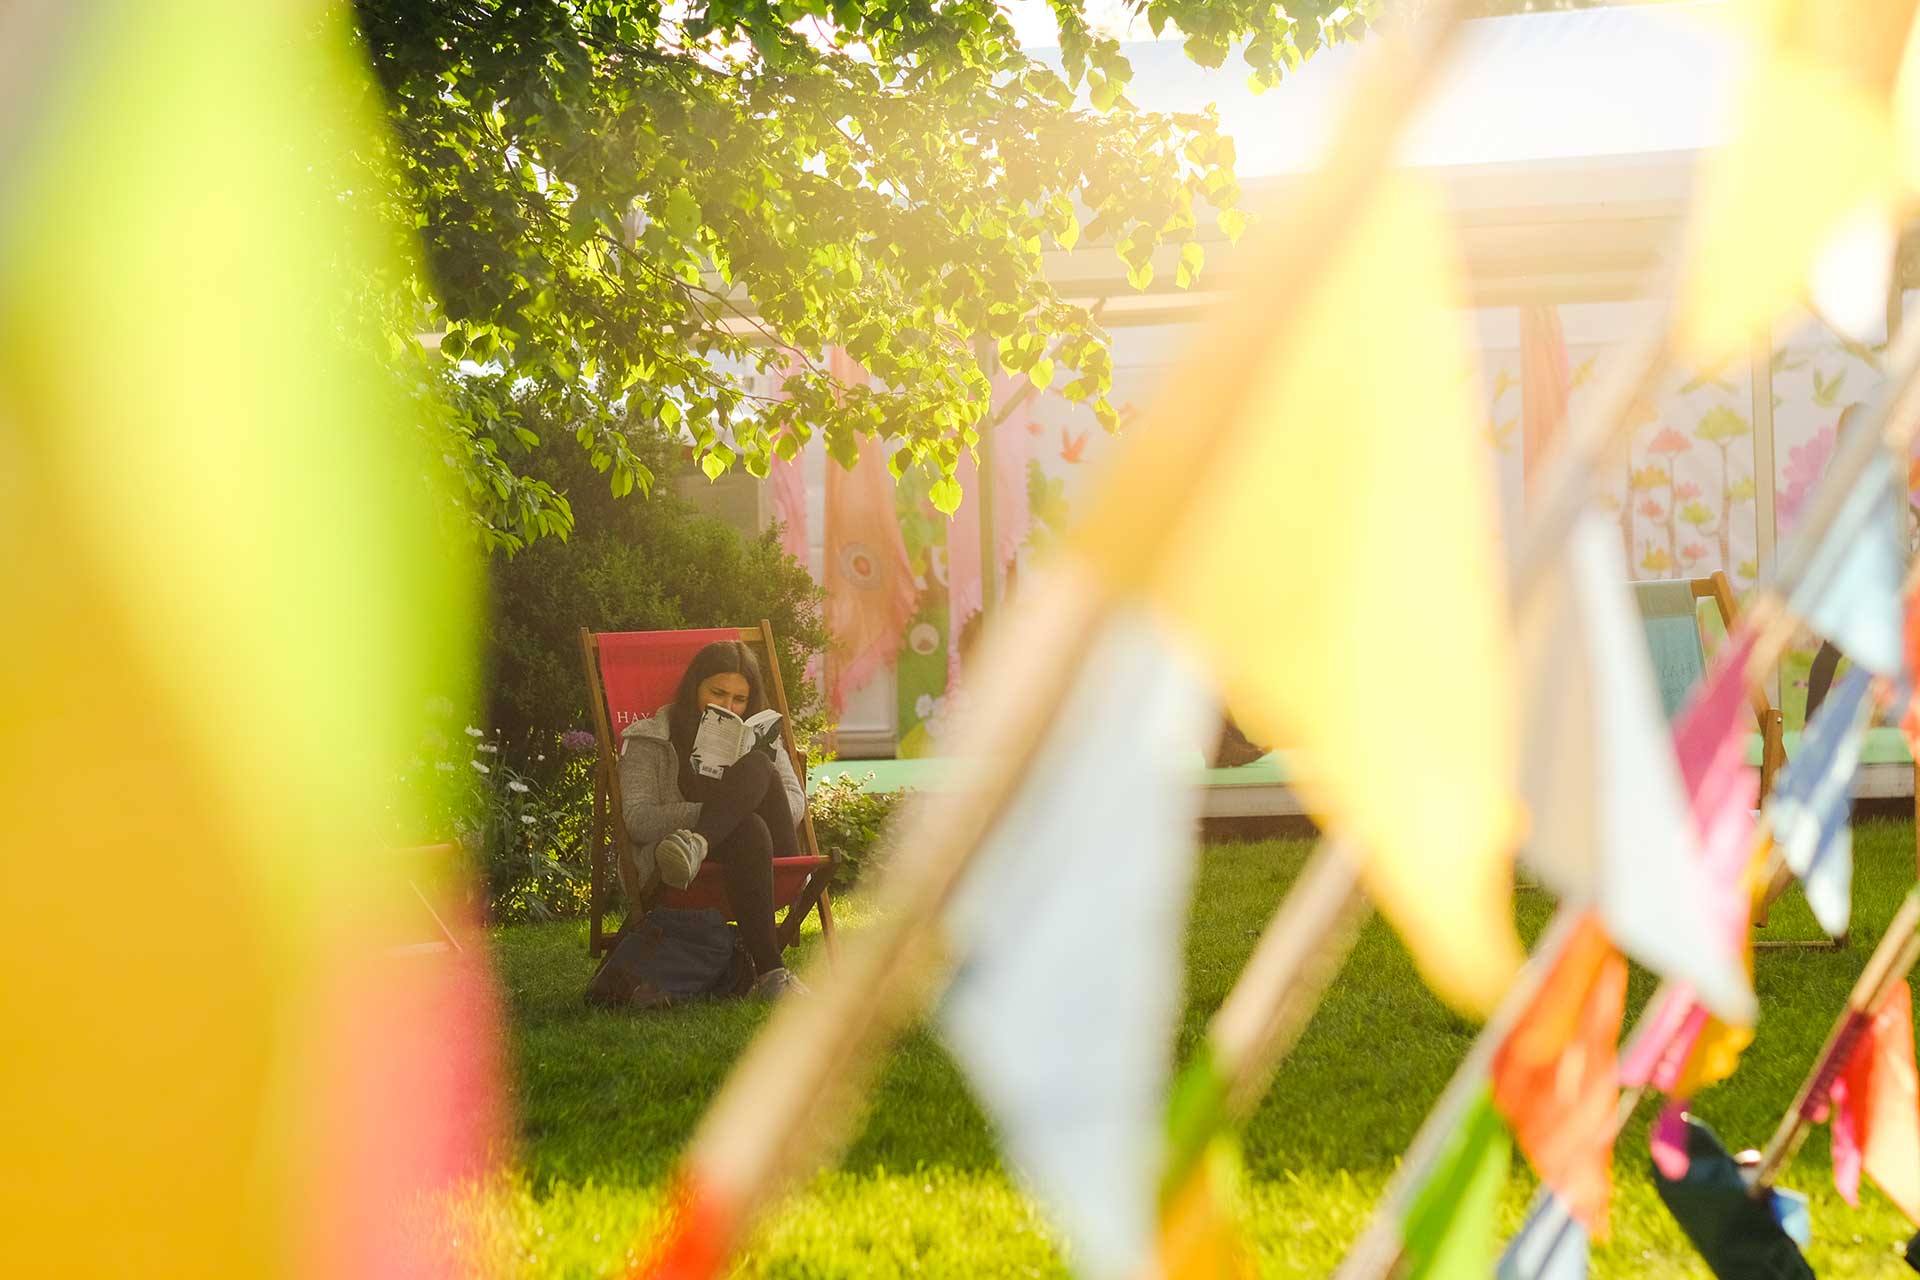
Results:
x,y
232,595
1556,1078
1449,1229
1202,1222
1853,544
1803,199
1551,1246
1329,545
1611,827
1876,1109
1068,941
1811,810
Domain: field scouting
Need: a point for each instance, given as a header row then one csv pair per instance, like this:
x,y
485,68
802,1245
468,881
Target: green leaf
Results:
x,y
1141,276
1192,256
681,215
1232,224
1041,374
945,495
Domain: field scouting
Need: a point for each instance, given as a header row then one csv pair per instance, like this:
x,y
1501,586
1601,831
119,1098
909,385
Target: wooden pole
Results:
x,y
1888,964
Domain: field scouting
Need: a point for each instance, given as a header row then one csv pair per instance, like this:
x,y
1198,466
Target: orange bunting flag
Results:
x,y
1556,1079
1910,716
1876,1110
1344,505
1802,201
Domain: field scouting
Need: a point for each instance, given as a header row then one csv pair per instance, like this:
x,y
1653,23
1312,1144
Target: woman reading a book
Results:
x,y
698,783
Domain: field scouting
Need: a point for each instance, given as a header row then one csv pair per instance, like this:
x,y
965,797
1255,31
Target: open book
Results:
x,y
724,737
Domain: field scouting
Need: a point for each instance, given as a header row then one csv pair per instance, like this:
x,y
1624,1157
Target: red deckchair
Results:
x,y
631,675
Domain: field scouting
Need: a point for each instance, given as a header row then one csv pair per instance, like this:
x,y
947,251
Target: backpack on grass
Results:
x,y
670,957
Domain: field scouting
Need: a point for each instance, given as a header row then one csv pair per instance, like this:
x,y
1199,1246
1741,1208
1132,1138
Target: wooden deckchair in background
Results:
x,y
630,676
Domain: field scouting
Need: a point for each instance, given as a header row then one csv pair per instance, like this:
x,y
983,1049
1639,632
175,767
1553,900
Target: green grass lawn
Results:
x,y
606,1101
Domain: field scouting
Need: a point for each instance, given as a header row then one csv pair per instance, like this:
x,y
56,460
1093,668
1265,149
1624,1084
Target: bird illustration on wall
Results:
x,y
1708,378
1071,445
1826,391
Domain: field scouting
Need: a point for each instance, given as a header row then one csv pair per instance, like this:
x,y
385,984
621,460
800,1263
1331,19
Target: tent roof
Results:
x,y
1623,81
1565,143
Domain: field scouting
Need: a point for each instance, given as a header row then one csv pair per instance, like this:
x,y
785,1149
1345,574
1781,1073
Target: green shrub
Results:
x,y
852,820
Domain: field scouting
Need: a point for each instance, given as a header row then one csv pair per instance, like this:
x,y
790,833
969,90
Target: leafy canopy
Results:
x,y
628,208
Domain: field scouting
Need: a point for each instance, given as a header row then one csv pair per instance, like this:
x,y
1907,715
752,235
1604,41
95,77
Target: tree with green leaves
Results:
x,y
1720,427
627,208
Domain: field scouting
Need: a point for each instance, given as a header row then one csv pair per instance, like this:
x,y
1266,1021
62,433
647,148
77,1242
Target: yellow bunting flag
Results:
x,y
229,599
1332,552
1802,201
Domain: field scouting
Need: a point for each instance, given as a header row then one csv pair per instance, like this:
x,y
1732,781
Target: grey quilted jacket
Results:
x,y
650,782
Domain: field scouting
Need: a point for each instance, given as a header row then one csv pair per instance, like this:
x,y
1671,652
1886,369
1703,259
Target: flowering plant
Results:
x,y
522,811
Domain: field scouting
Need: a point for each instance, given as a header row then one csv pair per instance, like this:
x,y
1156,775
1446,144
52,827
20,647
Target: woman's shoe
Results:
x,y
678,856
775,983
637,870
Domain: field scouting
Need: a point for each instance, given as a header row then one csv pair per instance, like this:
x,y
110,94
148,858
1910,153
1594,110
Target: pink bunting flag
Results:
x,y
1876,1110
1711,745
1723,788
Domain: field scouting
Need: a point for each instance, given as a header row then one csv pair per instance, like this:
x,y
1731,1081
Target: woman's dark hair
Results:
x,y
719,658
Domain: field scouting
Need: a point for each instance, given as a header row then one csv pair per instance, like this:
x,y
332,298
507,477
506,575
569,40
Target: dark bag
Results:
x,y
1738,1236
672,956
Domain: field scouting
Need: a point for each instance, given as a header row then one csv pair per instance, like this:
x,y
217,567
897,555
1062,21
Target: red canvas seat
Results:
x,y
630,676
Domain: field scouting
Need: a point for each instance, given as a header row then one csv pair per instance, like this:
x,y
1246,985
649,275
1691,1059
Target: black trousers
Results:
x,y
745,819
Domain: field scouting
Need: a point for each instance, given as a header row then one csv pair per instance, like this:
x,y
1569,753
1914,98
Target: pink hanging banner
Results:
x,y
867,575
1544,387
1008,447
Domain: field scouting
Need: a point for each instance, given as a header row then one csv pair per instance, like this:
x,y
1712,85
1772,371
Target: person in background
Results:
x,y
743,819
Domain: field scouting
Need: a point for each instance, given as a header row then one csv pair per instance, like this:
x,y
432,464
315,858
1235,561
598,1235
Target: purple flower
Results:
x,y
577,740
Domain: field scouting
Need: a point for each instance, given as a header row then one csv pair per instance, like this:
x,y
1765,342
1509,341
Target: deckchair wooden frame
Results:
x,y
448,939
609,839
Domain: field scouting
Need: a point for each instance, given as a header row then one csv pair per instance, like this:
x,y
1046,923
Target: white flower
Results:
x,y
443,766
474,733
539,757
489,747
923,705
517,785
478,767
527,818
